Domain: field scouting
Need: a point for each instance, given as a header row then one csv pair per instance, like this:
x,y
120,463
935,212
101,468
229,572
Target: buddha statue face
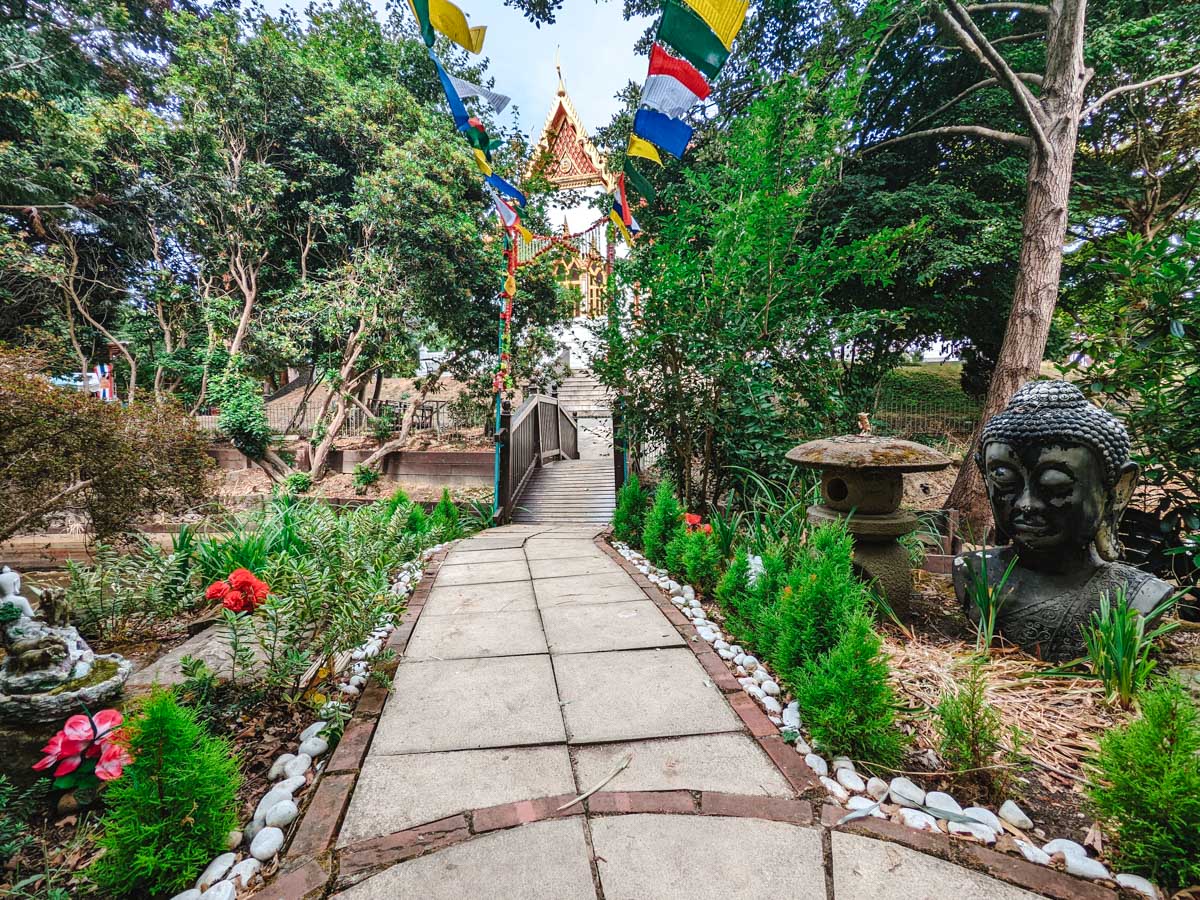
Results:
x,y
1046,499
1058,473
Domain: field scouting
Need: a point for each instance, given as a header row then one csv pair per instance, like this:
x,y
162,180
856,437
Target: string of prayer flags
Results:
x,y
444,16
509,218
702,31
457,110
481,161
466,89
673,85
643,149
668,134
623,202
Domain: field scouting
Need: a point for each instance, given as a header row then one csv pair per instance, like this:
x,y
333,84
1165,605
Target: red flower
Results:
x,y
706,528
251,588
234,602
216,591
112,763
692,519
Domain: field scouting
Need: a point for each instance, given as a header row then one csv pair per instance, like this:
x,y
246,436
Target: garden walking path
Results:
x,y
539,669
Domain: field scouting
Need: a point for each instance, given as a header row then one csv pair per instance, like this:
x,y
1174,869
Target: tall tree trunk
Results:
x,y
1043,233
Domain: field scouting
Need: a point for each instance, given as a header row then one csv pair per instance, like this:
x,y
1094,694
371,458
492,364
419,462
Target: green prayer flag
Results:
x,y
638,183
691,38
420,9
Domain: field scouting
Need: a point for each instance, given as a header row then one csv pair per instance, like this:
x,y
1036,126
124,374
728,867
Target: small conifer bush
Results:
x,y
846,700
971,733
417,521
661,523
735,583
630,512
701,560
445,517
173,810
1144,786
674,551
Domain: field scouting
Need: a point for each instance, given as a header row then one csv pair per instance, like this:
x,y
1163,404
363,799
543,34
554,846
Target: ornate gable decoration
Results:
x,y
565,155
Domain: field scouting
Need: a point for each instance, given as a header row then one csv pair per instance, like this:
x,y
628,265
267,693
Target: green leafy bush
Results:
x,y
846,700
630,512
445,517
417,521
661,523
364,477
173,810
1144,786
735,583
701,560
750,618
970,733
298,483
243,418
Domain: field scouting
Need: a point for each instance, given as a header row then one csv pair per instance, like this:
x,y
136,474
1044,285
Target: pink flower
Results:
x,y
79,728
692,519
81,737
113,761
107,721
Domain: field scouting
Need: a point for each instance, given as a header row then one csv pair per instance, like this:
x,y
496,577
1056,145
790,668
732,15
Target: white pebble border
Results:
x,y
238,872
909,804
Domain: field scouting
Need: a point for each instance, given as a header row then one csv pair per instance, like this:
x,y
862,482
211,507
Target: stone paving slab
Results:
x,y
730,763
469,704
707,858
497,542
477,634
543,861
630,694
592,627
468,554
507,596
398,792
606,588
484,573
575,566
866,869
556,548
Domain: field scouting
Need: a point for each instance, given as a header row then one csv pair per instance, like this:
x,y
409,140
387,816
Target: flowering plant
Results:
x,y
240,592
87,748
693,523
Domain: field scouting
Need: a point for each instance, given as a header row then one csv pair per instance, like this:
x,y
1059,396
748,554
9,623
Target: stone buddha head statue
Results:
x,y
1058,474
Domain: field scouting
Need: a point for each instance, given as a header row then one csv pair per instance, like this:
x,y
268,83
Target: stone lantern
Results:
x,y
862,485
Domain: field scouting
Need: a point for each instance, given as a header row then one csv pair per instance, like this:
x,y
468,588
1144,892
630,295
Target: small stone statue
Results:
x,y
1059,477
10,593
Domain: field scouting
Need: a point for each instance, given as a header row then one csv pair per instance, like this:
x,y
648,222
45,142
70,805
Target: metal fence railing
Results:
x,y
928,419
439,416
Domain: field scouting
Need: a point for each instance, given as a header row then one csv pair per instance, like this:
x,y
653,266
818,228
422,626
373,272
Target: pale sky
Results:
x,y
596,54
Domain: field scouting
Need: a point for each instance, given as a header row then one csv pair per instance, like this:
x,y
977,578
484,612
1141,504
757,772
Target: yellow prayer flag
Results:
x,y
510,286
525,233
644,149
450,21
724,17
481,161
616,219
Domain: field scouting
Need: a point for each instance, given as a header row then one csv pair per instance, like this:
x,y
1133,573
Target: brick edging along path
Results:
x,y
313,868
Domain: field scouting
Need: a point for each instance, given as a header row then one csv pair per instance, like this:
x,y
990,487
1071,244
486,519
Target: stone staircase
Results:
x,y
583,395
569,490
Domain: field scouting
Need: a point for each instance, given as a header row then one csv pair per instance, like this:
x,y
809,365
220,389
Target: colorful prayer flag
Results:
x,y
482,162
643,149
615,218
465,89
671,135
623,201
457,110
447,18
724,17
692,38
505,188
638,182
673,85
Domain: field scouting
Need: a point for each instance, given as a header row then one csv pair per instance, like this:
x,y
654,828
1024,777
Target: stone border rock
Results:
x,y
229,874
809,773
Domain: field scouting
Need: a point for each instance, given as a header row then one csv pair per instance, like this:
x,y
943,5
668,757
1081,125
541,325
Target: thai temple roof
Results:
x,y
565,154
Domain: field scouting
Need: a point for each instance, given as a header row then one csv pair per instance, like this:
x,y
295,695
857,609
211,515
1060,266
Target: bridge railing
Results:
x,y
539,432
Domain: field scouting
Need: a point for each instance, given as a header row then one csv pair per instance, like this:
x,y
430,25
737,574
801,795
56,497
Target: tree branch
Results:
x,y
1010,7
963,27
15,525
1004,137
1126,88
1031,77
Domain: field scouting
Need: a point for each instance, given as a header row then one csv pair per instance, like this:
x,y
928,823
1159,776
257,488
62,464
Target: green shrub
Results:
x,y
445,517
417,521
298,483
243,417
734,584
672,557
173,809
661,522
846,701
970,733
16,806
701,560
364,477
630,512
751,618
1144,786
